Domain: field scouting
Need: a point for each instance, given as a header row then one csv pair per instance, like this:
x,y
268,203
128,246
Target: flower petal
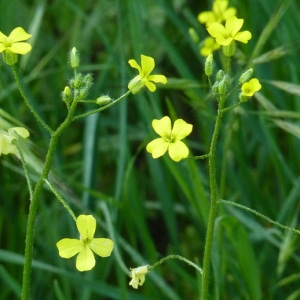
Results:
x,y
23,132
217,30
102,247
19,34
85,260
163,126
6,147
178,151
243,36
157,147
135,65
69,247
233,25
256,86
181,129
86,225
20,48
151,86
158,78
147,64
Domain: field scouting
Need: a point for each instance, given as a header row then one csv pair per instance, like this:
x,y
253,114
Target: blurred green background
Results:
x,y
152,208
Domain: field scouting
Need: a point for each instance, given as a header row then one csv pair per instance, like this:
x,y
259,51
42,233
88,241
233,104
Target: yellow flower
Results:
x,y
219,13
7,138
138,276
84,247
251,87
209,46
170,139
12,45
144,78
226,35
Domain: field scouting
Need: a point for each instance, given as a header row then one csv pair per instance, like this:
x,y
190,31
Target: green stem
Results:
x,y
175,256
35,200
260,215
213,202
27,102
102,107
62,201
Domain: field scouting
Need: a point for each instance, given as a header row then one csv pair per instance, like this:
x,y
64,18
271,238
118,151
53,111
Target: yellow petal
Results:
x,y
19,34
85,260
157,147
135,65
181,129
102,247
158,78
20,48
69,247
86,225
163,126
151,86
147,64
233,25
217,30
243,36
178,151
6,146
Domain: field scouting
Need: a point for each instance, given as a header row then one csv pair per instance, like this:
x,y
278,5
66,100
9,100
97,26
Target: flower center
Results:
x,y
86,242
7,43
169,138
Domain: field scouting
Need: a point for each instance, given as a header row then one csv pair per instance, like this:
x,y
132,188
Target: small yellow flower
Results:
x,y
144,78
219,13
170,139
251,87
13,44
84,247
226,35
7,138
138,276
209,46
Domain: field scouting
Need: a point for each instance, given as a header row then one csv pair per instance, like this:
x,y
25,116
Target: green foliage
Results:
x,y
153,208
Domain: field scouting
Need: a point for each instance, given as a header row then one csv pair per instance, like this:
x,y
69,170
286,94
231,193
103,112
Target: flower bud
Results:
x,y
103,100
220,75
67,95
246,76
88,81
209,65
223,85
74,58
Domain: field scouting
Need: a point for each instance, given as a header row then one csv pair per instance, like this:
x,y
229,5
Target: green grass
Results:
x,y
153,208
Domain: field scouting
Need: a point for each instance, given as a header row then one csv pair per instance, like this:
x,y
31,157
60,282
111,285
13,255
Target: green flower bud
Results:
x,y
223,85
67,95
78,81
103,100
246,76
229,50
220,75
209,65
88,81
74,58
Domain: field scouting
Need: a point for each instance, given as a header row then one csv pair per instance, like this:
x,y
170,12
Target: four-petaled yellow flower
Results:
x,y
226,35
7,138
86,225
251,87
138,276
170,139
13,44
219,13
144,78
